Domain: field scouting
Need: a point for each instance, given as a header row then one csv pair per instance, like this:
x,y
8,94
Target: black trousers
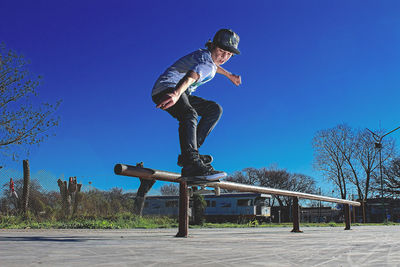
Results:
x,y
187,110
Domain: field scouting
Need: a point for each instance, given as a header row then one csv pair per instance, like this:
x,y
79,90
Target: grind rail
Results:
x,y
152,174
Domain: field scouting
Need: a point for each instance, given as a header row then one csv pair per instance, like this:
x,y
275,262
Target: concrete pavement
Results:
x,y
361,246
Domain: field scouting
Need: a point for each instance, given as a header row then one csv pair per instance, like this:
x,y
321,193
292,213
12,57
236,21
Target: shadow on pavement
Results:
x,y
45,239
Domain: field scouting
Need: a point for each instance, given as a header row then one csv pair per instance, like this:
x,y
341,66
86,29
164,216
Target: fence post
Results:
x,y
183,210
25,190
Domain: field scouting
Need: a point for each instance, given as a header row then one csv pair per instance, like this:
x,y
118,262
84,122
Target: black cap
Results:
x,y
227,40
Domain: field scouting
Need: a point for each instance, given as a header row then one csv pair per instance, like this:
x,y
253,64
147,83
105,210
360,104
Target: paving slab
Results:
x,y
326,246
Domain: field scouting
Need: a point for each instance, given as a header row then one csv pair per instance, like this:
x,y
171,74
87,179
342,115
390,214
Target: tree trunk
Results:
x,y
25,192
64,197
77,199
363,210
70,196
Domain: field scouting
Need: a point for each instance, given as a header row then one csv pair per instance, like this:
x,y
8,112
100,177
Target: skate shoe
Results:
x,y
206,159
202,171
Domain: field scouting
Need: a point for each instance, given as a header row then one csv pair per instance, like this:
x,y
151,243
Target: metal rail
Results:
x,y
151,174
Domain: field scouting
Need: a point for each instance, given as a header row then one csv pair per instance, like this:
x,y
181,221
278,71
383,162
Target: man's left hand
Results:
x,y
236,79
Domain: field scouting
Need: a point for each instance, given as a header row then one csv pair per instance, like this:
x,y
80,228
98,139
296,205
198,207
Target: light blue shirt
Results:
x,y
199,61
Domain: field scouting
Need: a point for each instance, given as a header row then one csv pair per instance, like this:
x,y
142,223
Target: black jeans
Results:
x,y
187,110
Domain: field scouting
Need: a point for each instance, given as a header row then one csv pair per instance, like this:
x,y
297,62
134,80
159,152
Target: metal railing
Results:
x,y
148,174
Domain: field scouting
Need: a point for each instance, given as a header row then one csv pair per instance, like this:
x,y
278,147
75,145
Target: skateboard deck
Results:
x,y
203,180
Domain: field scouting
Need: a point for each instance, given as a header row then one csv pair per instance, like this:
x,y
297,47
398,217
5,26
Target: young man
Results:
x,y
173,90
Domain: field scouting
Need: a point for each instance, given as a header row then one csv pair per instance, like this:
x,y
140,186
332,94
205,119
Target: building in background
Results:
x,y
223,208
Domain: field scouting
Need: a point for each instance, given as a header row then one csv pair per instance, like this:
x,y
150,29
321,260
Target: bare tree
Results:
x,y
332,152
21,122
282,179
349,157
392,177
368,161
169,190
368,154
276,178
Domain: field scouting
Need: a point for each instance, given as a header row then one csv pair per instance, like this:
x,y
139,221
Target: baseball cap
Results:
x,y
227,40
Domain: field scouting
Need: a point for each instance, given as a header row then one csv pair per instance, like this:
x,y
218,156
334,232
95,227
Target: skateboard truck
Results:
x,y
203,190
203,184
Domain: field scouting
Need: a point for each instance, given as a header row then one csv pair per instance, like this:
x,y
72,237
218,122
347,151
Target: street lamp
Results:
x,y
378,145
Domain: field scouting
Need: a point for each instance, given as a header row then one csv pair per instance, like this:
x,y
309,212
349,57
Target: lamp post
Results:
x,y
378,145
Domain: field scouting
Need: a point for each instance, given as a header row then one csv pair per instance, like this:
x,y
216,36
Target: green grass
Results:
x,y
122,221
129,221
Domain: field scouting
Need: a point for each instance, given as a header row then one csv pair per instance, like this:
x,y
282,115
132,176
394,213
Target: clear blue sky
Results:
x,y
305,66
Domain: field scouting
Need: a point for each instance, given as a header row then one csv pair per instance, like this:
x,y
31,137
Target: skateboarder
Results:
x,y
173,90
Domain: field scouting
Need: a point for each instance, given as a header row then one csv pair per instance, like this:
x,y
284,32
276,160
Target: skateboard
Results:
x,y
203,180
203,183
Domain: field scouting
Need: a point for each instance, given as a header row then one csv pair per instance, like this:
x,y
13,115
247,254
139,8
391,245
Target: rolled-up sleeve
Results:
x,y
204,70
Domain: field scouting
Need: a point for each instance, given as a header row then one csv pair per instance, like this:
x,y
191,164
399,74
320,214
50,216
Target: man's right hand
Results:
x,y
168,100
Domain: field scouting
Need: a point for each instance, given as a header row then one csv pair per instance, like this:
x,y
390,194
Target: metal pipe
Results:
x,y
273,191
146,173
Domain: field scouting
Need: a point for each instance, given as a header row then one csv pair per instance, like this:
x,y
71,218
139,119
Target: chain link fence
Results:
x,y
42,195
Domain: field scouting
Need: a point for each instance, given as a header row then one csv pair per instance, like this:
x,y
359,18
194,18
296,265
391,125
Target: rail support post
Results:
x,y
183,210
347,216
144,188
296,216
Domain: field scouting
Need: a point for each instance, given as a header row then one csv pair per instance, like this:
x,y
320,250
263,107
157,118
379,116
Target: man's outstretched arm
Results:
x,y
171,98
236,79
